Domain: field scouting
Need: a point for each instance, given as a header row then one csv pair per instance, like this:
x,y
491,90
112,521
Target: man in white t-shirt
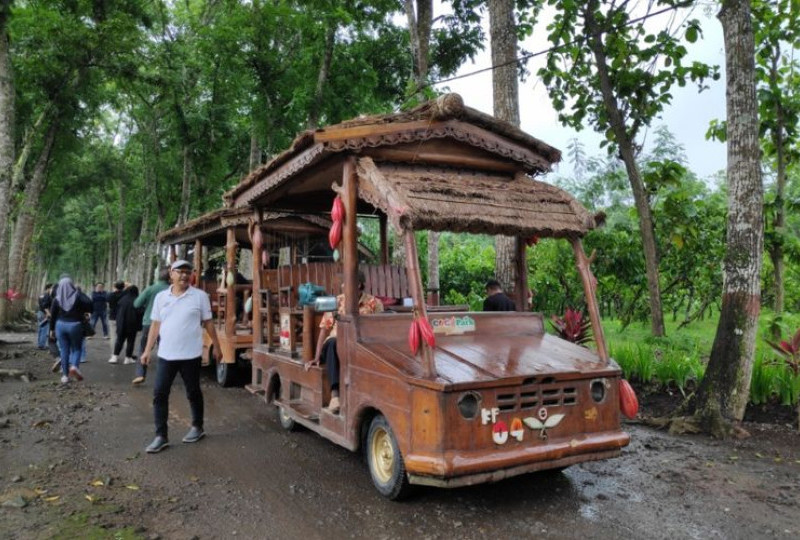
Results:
x,y
177,320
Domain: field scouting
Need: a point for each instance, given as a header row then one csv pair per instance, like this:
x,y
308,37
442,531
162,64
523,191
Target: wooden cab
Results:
x,y
492,395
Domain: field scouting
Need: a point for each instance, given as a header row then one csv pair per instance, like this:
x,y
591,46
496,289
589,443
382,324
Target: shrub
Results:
x,y
573,326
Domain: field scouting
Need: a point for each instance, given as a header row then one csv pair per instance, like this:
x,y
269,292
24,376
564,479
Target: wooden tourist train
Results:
x,y
296,238
486,395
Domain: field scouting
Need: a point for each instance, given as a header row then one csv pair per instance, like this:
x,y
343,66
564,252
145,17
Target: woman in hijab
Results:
x,y
129,321
67,312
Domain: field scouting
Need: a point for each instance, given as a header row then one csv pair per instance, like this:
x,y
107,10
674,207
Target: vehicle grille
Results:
x,y
537,393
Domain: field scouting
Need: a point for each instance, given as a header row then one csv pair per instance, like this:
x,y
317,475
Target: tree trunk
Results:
x,y
186,186
255,151
725,389
322,77
119,247
505,94
779,222
628,155
26,218
6,146
420,22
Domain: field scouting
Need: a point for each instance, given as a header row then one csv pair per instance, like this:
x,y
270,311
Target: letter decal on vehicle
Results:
x,y
500,432
516,430
489,416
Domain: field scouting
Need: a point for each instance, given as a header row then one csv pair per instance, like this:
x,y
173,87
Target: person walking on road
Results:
x,y
68,310
128,323
99,308
179,315
146,300
43,316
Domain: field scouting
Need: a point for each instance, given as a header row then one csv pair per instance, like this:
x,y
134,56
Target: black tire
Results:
x,y
286,421
225,374
385,463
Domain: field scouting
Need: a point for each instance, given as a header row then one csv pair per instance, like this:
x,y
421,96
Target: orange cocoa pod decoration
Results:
x,y
335,235
426,331
337,212
628,403
413,337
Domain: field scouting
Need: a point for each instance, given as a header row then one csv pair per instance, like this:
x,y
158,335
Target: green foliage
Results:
x,y
466,263
644,63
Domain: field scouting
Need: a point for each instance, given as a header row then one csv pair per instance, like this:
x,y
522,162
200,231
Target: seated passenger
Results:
x,y
496,300
326,344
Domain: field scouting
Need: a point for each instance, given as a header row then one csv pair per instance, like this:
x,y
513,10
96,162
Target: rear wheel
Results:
x,y
385,463
225,373
286,421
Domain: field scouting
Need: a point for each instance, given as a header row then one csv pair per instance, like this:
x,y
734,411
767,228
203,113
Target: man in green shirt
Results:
x,y
145,300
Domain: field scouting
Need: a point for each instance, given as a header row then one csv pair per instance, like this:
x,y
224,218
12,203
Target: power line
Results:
x,y
528,56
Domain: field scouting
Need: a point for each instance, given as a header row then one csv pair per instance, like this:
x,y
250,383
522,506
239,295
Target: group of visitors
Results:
x,y
171,315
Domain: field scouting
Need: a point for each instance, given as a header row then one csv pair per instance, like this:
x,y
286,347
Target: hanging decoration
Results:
x,y
336,255
335,235
628,403
337,215
413,336
230,279
264,259
532,241
421,330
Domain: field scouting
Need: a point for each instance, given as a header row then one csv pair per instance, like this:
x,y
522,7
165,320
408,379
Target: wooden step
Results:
x,y
301,408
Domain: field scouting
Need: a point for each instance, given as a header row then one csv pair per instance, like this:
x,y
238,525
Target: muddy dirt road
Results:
x,y
72,463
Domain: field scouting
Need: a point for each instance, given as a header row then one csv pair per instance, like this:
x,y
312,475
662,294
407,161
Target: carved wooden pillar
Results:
x,y
257,297
589,283
230,283
384,238
198,262
418,294
350,236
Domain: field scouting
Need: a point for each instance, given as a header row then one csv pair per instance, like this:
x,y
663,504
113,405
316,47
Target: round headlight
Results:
x,y
598,390
469,404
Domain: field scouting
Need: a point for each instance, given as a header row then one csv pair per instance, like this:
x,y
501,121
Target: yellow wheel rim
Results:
x,y
382,455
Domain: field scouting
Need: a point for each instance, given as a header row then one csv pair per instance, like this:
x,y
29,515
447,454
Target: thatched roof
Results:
x,y
447,200
446,118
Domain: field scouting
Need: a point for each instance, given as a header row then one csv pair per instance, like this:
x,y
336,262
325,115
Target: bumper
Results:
x,y
455,469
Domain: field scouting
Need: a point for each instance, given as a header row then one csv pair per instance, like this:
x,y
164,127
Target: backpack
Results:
x,y
308,292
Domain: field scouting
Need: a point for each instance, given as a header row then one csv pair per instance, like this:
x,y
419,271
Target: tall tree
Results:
x,y
420,24
724,391
6,145
611,71
505,99
777,31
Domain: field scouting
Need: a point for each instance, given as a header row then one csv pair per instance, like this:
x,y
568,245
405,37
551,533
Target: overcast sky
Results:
x,y
687,118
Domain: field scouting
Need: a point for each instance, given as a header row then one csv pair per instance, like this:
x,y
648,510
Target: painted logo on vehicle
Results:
x,y
453,325
500,430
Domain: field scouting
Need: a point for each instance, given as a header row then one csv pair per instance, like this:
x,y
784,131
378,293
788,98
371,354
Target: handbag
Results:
x,y
88,331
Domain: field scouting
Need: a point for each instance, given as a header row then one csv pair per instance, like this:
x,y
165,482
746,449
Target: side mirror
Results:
x,y
323,304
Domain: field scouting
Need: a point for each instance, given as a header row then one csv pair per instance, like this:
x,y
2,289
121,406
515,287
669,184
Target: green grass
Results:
x,y
682,355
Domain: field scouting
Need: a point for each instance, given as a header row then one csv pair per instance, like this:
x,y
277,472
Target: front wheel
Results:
x,y
385,463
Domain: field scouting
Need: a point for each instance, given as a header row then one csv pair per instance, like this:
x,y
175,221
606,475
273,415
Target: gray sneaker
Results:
x,y
194,435
158,444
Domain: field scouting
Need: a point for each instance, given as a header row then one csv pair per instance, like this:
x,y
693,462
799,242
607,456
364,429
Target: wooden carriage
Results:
x,y
299,239
495,396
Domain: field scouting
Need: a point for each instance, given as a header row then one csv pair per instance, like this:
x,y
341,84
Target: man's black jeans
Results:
x,y
190,373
